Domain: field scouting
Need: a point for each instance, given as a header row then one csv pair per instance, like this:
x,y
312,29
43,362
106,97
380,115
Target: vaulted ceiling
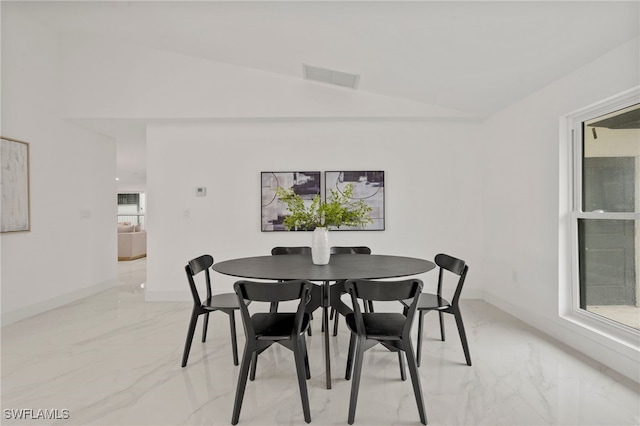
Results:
x,y
475,57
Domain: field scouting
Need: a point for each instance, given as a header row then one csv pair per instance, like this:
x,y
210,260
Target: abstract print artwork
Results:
x,y
305,184
14,181
367,186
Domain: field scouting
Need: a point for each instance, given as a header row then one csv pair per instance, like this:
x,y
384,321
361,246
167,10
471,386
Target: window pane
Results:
x,y
611,167
608,269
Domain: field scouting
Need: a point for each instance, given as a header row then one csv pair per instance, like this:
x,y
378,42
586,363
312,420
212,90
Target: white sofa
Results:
x,y
132,241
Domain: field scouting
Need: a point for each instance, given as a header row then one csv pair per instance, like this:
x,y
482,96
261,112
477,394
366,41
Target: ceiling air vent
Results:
x,y
325,75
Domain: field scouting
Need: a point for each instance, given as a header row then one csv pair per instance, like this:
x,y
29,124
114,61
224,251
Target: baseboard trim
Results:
x,y
470,293
55,302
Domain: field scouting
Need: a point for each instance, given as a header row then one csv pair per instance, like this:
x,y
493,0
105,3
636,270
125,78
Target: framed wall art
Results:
x,y
367,186
305,184
14,184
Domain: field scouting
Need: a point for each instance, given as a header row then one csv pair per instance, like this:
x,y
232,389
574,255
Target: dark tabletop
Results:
x,y
341,266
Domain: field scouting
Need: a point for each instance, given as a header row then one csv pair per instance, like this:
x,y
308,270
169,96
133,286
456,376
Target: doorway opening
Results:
x,y
132,234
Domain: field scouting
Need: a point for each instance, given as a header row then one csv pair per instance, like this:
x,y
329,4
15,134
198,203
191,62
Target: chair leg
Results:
x,y
463,336
370,303
298,352
306,358
327,355
335,323
403,373
355,382
415,380
273,307
352,347
234,339
254,366
204,327
190,333
309,329
249,352
441,325
325,315
419,349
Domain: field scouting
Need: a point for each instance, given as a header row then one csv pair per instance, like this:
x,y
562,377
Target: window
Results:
x,y
605,212
131,208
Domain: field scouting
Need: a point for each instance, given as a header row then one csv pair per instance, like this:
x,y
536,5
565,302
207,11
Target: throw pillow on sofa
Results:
x,y
128,228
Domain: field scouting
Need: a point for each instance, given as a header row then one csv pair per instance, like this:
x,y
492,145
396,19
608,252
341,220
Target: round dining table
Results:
x,y
340,267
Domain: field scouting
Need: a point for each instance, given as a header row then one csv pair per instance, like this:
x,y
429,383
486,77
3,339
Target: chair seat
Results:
x,y
273,325
432,301
221,301
380,325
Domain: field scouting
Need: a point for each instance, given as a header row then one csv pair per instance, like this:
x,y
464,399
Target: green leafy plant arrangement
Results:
x,y
338,210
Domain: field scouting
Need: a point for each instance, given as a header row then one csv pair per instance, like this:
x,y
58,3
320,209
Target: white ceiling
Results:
x,y
476,57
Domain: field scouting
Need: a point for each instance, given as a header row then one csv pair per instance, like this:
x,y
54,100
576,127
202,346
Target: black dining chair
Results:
x,y
350,250
226,302
339,286
283,250
391,329
263,329
276,251
435,302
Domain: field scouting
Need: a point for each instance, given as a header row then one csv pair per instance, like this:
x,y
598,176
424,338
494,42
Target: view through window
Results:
x,y
608,237
131,208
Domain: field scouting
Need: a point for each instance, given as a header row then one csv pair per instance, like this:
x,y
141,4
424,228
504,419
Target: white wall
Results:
x,y
522,218
432,190
71,249
129,187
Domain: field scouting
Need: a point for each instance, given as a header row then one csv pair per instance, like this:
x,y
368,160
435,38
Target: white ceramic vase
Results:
x,y
320,249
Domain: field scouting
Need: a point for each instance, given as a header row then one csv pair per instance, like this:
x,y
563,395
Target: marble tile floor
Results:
x,y
112,359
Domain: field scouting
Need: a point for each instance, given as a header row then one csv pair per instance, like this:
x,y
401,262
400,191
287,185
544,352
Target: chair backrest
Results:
x,y
270,292
455,266
193,268
290,250
384,291
350,250
273,292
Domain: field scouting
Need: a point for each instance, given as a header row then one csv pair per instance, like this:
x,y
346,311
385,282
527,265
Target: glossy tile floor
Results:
x,y
112,359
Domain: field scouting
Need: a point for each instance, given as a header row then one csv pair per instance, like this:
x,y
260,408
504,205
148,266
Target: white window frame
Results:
x,y
570,297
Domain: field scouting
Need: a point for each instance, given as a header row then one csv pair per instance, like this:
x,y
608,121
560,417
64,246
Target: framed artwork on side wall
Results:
x,y
367,186
14,181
